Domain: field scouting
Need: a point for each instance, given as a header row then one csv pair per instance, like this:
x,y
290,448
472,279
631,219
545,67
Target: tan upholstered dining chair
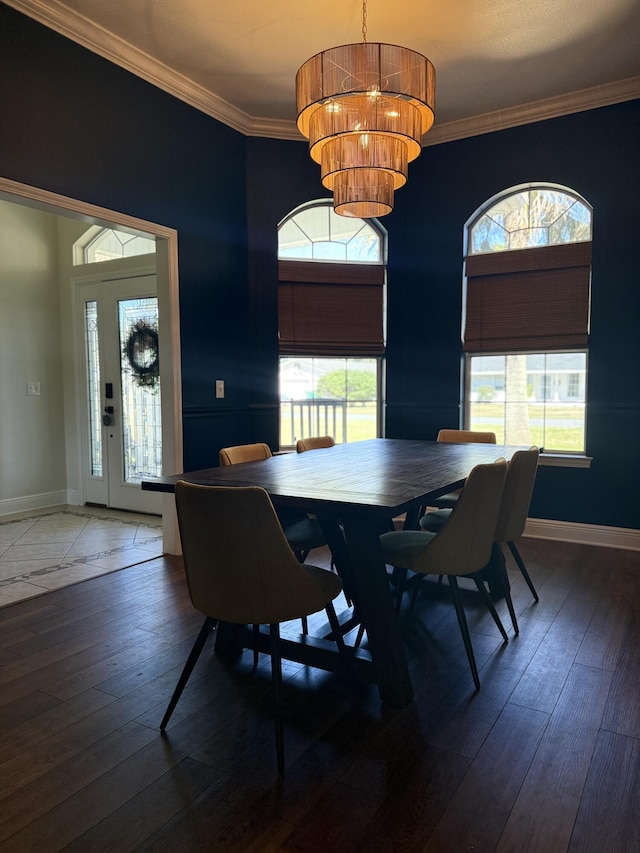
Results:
x,y
302,531
244,579
461,548
320,442
460,436
518,490
244,453
514,508
315,443
466,436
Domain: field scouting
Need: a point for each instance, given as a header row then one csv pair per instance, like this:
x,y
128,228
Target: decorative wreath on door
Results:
x,y
141,352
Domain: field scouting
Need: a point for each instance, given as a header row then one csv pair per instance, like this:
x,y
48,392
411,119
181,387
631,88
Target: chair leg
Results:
x,y
464,628
201,639
276,679
416,581
487,600
525,574
301,557
507,596
512,612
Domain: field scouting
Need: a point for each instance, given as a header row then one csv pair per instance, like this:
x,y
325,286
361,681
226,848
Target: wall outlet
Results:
x,y
219,388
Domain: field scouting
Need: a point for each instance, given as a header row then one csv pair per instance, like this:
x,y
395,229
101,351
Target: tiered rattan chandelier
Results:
x,y
364,109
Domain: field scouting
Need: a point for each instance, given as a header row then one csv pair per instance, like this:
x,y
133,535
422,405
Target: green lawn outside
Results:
x,y
553,426
361,424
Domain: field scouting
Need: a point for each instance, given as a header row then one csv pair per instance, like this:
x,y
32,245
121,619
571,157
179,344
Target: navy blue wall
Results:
x,y
77,125
594,153
74,124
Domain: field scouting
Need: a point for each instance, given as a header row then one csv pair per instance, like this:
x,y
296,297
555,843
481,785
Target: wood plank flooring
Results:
x,y
545,757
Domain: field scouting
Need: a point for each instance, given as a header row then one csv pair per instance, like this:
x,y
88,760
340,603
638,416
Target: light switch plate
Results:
x,y
33,388
219,388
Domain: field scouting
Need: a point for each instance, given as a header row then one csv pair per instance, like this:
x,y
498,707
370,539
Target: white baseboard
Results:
x,y
29,502
587,534
536,528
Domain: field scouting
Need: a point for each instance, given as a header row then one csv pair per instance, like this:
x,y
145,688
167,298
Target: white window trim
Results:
x,y
565,460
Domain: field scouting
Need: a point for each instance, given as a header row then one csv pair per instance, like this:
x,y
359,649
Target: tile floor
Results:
x,y
48,549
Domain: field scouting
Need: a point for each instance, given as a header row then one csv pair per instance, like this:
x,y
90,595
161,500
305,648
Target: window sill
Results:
x,y
561,460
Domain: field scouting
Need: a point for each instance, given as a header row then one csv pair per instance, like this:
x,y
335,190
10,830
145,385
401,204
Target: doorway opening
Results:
x,y
168,313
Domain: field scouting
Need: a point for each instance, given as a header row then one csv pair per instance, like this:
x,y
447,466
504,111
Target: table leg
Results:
x,y
375,604
360,563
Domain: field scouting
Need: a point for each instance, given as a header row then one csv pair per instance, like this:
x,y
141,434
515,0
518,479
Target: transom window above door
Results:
x,y
100,244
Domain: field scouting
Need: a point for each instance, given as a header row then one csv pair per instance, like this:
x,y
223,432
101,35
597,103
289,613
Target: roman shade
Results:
x,y
331,309
528,300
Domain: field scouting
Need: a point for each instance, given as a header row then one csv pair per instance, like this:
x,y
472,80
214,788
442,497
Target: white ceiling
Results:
x,y
498,62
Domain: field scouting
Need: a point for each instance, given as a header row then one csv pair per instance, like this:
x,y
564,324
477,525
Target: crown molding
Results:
x,y
100,41
585,99
574,102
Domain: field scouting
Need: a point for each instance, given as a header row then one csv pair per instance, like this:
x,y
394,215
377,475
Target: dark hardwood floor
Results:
x,y
545,757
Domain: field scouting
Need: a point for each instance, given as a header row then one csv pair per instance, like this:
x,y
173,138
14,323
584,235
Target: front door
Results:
x,y
122,423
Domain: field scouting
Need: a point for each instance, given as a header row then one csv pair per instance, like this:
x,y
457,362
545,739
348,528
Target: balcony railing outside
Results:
x,y
316,417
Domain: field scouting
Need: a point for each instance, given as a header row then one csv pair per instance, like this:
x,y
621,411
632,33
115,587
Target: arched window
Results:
x,y
331,313
526,317
100,244
535,216
315,232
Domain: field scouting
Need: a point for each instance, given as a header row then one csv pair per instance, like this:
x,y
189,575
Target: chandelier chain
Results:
x,y
364,21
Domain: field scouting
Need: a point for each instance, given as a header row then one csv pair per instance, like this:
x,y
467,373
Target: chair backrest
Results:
x,y
466,435
244,453
237,577
318,441
464,544
516,498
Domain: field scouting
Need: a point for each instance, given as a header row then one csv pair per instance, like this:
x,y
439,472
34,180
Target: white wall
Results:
x,y
32,437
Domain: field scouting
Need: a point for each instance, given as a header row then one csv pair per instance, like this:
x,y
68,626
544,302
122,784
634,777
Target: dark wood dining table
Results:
x,y
355,490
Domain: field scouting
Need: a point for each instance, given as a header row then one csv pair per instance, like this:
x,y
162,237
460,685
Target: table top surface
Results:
x,y
387,474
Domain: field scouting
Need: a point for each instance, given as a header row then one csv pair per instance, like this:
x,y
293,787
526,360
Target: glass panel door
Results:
x,y
140,389
123,427
93,386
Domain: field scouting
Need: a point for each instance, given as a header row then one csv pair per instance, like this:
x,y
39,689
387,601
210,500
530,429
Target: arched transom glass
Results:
x,y
99,244
316,233
528,218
